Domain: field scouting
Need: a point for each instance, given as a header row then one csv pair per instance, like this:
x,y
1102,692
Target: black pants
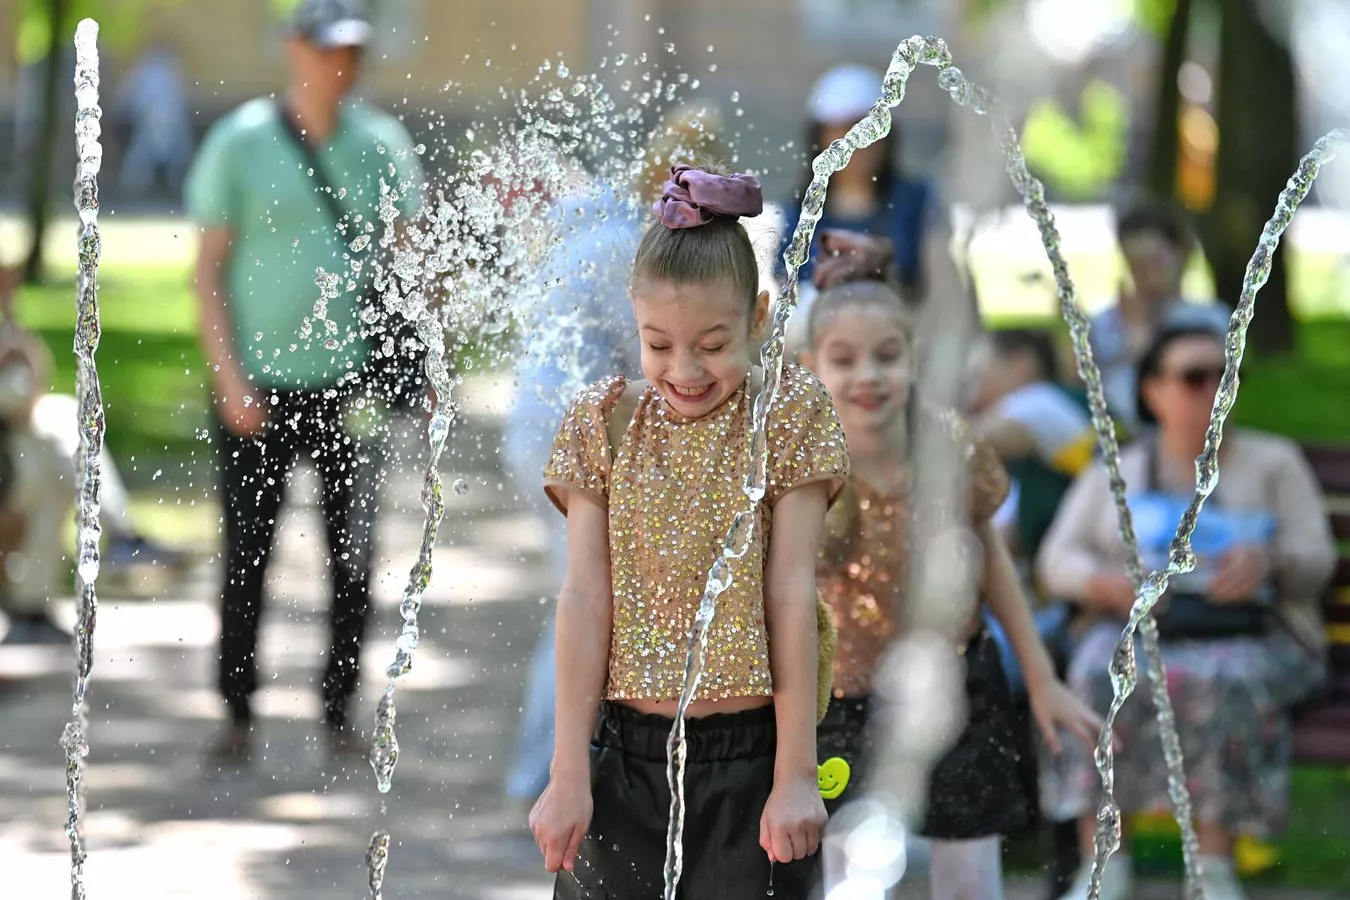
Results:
x,y
728,777
975,789
253,472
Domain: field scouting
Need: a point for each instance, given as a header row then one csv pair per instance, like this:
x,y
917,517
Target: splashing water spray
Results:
x,y
90,158
456,249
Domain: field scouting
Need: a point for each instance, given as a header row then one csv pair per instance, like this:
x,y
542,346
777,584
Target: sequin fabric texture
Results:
x,y
674,488
863,567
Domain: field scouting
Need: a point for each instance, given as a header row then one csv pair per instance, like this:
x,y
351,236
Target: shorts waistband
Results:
x,y
740,735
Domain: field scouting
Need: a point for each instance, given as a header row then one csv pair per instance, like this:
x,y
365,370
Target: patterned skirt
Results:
x,y
1232,699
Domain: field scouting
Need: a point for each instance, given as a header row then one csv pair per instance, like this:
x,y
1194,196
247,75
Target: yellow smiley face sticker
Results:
x,y
832,775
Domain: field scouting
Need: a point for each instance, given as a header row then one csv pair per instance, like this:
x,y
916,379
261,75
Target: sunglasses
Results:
x,y
1199,377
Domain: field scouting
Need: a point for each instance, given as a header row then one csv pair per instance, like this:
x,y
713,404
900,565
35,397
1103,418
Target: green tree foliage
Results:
x,y
120,24
1079,159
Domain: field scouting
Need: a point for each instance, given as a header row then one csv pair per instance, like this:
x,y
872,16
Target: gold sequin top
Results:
x,y
672,492
863,567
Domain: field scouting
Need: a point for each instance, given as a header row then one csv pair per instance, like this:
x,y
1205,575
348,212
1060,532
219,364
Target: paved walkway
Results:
x,y
160,826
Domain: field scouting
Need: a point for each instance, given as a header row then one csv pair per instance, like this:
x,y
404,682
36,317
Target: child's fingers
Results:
x,y
1050,734
813,835
765,840
1083,727
573,845
552,845
782,844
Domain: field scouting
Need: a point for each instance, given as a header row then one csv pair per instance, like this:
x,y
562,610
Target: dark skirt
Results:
x,y
728,777
976,789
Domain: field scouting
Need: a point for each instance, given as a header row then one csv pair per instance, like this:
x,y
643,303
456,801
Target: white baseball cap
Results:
x,y
844,94
332,23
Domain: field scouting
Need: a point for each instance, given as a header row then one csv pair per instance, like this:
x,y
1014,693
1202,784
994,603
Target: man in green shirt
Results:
x,y
268,184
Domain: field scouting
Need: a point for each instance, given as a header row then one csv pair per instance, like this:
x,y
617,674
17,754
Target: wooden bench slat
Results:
x,y
1322,732
1328,744
1332,467
1340,580
1340,525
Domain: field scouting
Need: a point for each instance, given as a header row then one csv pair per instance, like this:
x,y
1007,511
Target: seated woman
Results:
x,y
1242,636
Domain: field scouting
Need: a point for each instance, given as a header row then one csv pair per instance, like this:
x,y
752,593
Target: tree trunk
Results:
x,y
40,176
1160,169
1258,149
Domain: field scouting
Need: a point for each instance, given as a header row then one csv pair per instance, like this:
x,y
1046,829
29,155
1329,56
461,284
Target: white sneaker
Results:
x,y
1220,880
1117,881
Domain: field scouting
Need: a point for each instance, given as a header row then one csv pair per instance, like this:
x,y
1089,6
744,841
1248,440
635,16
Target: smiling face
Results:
x,y
696,340
863,355
1181,394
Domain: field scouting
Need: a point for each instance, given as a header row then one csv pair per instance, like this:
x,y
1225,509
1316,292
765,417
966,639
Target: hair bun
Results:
x,y
693,197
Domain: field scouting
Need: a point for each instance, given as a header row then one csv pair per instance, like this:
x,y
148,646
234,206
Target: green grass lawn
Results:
x,y
1313,853
151,370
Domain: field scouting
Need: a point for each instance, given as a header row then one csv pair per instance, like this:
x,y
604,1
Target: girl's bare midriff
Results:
x,y
699,708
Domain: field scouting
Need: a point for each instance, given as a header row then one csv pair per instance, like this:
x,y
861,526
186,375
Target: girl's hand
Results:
x,y
1055,706
851,256
1241,573
1111,592
793,820
560,819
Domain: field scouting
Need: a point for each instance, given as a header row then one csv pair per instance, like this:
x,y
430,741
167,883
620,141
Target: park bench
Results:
x,y
1322,729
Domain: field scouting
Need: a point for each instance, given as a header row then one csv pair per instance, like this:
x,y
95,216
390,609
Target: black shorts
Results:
x,y
976,789
728,776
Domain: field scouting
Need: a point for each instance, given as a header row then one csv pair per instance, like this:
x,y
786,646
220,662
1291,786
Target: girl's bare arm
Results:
x,y
1053,705
790,613
1003,592
585,616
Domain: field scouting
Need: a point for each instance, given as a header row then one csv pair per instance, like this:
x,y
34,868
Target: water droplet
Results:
x,y
735,96
460,487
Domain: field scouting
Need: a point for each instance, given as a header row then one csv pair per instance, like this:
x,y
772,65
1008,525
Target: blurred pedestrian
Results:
x,y
273,187
153,99
872,195
1157,244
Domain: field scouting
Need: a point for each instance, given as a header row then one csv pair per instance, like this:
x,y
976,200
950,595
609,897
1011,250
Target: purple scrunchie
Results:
x,y
693,197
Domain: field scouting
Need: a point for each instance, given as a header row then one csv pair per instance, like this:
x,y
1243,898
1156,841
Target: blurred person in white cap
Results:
x,y
278,190
872,195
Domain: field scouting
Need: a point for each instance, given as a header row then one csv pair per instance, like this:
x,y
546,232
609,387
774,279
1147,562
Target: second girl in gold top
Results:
x,y
862,347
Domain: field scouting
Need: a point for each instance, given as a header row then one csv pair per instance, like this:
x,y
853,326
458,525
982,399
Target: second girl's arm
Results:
x,y
1052,703
1003,592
